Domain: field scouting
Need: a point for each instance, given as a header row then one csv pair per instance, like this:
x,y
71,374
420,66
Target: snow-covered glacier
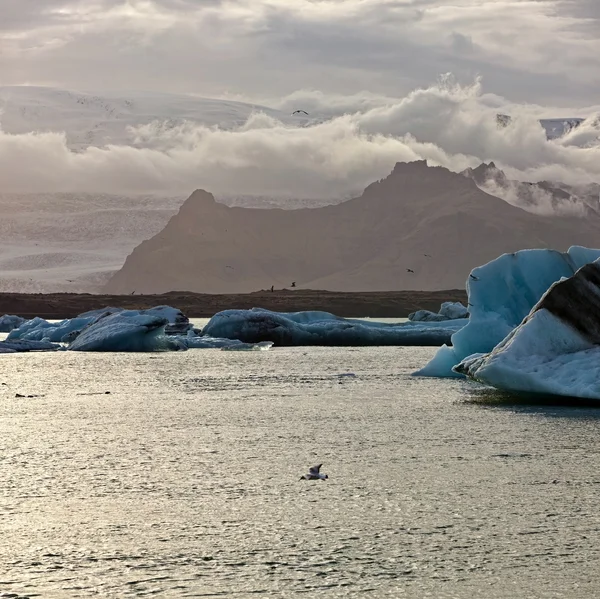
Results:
x,y
322,328
501,294
556,349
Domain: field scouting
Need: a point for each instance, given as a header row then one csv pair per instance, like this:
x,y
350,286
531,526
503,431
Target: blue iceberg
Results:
x,y
125,331
501,294
8,322
322,328
555,350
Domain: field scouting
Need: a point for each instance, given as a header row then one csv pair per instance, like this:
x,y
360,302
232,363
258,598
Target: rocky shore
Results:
x,y
381,304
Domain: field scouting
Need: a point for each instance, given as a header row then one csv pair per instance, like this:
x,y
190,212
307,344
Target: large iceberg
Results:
x,y
556,349
501,294
322,328
125,331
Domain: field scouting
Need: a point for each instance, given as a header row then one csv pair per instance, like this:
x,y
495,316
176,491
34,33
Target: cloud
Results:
x,y
535,51
447,123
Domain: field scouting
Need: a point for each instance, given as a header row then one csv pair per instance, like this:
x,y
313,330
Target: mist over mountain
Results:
x,y
421,227
60,141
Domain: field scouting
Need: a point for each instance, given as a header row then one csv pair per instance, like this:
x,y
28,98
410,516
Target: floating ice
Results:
x,y
8,322
323,328
501,293
556,349
23,345
126,331
448,311
38,329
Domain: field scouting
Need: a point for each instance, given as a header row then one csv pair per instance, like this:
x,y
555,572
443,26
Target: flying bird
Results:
x,y
410,270
314,474
300,112
474,277
427,255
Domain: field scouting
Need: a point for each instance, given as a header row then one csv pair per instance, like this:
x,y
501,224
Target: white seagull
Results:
x,y
314,474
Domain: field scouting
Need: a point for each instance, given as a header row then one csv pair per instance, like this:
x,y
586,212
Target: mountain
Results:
x,y
544,197
90,119
434,222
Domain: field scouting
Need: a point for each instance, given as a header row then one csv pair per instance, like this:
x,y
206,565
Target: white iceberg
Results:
x,y
8,322
555,350
501,294
322,328
448,311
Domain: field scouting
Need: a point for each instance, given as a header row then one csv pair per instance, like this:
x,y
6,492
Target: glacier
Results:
x,y
555,350
501,294
322,328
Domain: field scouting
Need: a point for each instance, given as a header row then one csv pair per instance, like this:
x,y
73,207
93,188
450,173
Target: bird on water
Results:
x,y
314,474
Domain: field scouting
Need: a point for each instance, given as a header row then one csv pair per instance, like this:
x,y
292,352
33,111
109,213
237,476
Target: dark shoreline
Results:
x,y
376,304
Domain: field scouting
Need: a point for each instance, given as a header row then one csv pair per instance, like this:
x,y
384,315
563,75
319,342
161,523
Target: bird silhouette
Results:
x,y
410,270
300,112
474,277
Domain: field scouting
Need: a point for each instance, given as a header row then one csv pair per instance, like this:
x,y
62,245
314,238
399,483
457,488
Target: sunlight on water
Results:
x,y
177,475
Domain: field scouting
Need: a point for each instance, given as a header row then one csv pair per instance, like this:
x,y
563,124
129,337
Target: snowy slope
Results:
x,y
97,120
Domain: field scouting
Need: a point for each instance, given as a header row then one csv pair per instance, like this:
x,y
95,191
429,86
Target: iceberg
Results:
x,y
8,322
126,331
178,322
501,294
448,311
322,328
555,350
38,329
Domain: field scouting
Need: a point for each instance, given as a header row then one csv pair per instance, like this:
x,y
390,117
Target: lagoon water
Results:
x,y
183,481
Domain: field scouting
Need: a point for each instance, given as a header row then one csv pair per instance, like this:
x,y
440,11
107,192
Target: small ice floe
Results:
x,y
314,474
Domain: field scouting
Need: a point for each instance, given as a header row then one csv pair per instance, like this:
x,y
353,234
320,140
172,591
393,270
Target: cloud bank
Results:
x,y
448,124
534,51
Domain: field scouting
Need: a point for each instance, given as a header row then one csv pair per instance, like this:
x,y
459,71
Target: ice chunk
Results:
x,y
453,310
556,349
322,328
8,322
178,322
448,311
38,329
126,331
501,293
193,341
22,345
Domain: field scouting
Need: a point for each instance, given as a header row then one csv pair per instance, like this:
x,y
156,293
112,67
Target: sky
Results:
x,y
383,80
545,52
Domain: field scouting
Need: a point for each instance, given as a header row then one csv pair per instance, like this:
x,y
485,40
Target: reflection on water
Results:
x,y
183,481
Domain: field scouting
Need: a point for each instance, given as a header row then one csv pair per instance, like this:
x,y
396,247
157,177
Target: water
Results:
x,y
184,480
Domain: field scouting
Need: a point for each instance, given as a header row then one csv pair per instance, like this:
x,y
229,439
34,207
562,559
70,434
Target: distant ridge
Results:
x,y
421,227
